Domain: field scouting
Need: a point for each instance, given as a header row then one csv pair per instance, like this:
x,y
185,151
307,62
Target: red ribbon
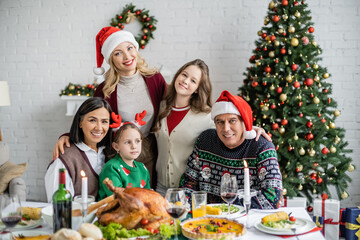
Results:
x,y
285,201
340,222
326,221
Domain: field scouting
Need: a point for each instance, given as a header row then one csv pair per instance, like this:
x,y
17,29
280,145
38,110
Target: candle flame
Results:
x,y
82,173
245,164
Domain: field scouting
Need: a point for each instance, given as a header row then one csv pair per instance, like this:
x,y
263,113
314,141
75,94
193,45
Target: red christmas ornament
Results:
x,y
319,180
300,104
309,124
142,46
284,34
284,122
324,196
272,38
276,60
309,137
319,114
120,17
313,176
267,69
290,149
283,51
270,135
265,49
264,83
325,150
301,115
151,26
310,209
275,126
276,18
252,58
311,30
144,37
263,35
254,84
278,89
277,147
311,95
296,4
329,100
316,164
296,84
323,120
307,65
272,106
309,82
325,90
294,67
284,2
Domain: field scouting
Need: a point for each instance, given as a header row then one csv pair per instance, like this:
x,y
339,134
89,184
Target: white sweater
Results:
x,y
174,150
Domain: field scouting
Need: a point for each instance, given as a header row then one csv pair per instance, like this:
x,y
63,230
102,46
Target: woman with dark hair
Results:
x,y
90,138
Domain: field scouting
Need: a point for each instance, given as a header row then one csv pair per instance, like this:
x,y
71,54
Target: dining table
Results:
x,y
249,220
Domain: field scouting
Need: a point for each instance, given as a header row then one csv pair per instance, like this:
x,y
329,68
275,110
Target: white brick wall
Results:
x,y
45,44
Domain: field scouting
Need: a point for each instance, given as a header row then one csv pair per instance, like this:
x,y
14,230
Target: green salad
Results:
x,y
224,208
282,224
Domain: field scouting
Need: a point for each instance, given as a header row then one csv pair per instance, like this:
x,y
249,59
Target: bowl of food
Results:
x,y
76,219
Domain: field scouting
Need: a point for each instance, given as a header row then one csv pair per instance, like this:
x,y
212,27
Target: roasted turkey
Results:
x,y
131,206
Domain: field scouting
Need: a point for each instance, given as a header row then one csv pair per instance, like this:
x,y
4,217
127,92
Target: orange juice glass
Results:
x,y
199,200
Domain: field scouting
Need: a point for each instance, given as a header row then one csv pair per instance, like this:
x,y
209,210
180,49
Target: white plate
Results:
x,y
302,225
232,215
19,227
27,234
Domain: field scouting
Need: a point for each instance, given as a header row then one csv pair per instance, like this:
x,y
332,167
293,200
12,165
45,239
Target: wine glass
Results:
x,y
176,204
10,211
228,189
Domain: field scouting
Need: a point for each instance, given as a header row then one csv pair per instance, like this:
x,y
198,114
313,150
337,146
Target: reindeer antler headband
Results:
x,y
117,120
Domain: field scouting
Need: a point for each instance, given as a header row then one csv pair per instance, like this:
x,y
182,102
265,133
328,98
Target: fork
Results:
x,y
294,231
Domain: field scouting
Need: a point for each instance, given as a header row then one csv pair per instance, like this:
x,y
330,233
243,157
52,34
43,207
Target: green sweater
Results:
x,y
122,175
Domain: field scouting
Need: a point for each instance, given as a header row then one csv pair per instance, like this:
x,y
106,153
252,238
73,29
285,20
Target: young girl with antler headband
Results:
x,y
123,169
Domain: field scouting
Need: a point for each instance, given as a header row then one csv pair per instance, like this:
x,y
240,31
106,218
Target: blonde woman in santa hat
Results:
x,y
130,86
184,114
222,151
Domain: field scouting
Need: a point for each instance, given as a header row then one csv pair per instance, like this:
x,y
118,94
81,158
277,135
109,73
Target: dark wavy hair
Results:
x,y
91,104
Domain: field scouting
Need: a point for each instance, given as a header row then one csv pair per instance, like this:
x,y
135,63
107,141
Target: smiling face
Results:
x,y
188,81
124,58
95,125
128,145
230,129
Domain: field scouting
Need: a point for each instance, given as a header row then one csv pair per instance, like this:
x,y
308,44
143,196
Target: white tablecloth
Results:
x,y
252,232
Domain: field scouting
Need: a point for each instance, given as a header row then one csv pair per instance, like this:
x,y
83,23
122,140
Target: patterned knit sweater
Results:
x,y
211,158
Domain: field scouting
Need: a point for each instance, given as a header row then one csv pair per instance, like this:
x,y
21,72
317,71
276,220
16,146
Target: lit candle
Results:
x,y
84,187
246,183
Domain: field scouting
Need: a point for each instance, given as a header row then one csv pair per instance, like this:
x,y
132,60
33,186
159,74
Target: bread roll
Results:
x,y
66,234
31,212
89,230
275,217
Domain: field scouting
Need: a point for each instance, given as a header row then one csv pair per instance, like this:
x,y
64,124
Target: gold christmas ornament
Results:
x,y
282,130
285,17
314,43
326,75
319,85
316,78
302,151
300,187
271,54
286,62
294,42
258,63
272,5
280,30
327,127
316,100
259,33
300,168
283,97
265,116
337,140
332,125
351,168
312,152
145,30
71,87
291,29
289,78
265,108
272,87
142,42
276,43
333,149
314,191
296,137
284,191
297,14
336,113
344,195
315,66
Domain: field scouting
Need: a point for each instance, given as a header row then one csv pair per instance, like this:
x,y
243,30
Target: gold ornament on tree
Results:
x,y
351,168
300,187
302,151
336,113
337,140
316,100
294,42
332,125
344,195
326,75
333,149
283,97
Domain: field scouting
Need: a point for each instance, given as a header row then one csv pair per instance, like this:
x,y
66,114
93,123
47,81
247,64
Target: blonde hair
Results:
x,y
200,101
112,76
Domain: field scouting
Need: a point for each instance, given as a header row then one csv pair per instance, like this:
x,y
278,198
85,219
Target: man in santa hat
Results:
x,y
225,148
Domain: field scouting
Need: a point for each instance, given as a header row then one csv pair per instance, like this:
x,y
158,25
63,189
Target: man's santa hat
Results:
x,y
106,41
228,103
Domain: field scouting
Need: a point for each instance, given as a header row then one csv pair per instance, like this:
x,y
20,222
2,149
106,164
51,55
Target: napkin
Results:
x,y
315,229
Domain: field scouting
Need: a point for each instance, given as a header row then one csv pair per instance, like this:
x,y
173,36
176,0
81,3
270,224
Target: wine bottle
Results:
x,y
62,201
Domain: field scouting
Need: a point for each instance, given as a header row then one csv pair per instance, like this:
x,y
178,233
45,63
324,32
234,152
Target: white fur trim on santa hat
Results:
x,y
250,134
223,108
114,40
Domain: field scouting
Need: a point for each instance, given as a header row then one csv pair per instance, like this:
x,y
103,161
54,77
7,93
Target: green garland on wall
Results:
x,y
79,90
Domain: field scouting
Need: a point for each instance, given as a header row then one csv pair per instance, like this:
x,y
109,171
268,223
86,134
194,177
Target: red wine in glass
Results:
x,y
11,222
175,204
229,197
10,211
228,189
175,212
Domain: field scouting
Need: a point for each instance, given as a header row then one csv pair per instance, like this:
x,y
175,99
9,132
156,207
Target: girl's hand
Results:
x,y
59,146
260,131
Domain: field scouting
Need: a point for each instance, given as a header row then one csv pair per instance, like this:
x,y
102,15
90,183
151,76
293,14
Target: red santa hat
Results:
x,y
106,41
228,103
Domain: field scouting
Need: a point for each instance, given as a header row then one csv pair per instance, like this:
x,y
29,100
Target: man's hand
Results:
x,y
260,131
59,146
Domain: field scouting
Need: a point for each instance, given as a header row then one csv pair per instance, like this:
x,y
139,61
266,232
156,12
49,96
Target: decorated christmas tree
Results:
x,y
290,94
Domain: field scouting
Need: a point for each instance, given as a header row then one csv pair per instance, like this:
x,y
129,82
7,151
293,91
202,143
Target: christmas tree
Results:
x,y
291,98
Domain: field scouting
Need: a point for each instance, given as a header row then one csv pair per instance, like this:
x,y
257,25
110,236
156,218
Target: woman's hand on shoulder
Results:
x,y
260,131
59,146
